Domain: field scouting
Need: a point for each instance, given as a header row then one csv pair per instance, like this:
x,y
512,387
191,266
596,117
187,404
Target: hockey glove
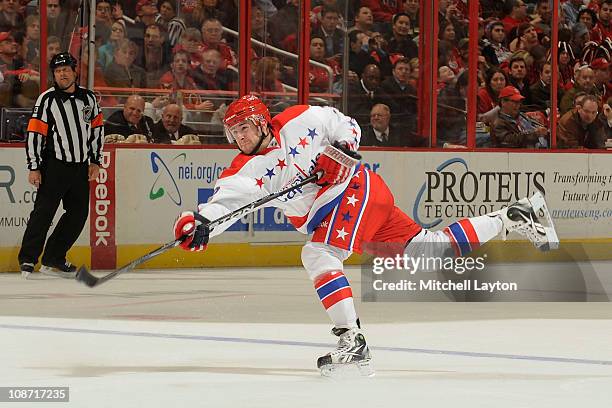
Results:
x,y
335,164
195,227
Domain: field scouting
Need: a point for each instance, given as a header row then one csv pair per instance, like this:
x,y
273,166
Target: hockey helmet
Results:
x,y
63,59
248,107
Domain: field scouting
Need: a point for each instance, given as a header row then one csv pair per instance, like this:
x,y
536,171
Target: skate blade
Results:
x,y
538,203
352,370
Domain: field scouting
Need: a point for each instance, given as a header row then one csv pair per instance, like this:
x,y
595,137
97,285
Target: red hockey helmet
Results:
x,y
247,107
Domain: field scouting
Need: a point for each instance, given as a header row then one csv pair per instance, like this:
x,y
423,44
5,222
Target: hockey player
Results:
x,y
346,208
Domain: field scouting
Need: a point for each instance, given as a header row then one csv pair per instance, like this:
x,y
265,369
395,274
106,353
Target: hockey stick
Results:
x,y
83,274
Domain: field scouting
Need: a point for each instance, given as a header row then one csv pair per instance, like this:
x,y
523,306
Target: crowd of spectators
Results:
x,y
514,56
180,47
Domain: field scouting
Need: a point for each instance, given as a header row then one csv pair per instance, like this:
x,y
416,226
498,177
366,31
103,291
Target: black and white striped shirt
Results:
x,y
67,126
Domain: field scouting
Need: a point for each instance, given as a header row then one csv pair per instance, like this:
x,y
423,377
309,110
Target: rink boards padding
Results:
x,y
142,188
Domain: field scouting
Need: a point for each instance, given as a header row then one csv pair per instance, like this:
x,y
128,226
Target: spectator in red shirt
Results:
x,y
516,13
589,18
448,47
212,38
178,77
488,96
604,16
383,10
191,42
319,76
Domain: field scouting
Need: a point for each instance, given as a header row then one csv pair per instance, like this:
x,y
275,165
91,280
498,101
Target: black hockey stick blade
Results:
x,y
83,274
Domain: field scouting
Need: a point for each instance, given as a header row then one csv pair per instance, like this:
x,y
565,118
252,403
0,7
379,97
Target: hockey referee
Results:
x,y
64,142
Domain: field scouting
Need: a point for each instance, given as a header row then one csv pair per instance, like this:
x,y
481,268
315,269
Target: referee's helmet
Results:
x,y
63,59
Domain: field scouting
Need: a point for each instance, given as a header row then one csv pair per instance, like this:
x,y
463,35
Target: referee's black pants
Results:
x,y
65,182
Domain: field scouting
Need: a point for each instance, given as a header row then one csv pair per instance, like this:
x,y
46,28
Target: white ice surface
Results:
x,y
149,339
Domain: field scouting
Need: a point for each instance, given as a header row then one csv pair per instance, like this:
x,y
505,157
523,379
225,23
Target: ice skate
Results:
x,y
351,356
65,270
526,216
26,269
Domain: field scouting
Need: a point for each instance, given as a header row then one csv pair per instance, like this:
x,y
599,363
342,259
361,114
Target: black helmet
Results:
x,y
63,59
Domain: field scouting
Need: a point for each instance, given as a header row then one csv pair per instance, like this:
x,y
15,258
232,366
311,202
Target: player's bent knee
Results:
x,y
319,258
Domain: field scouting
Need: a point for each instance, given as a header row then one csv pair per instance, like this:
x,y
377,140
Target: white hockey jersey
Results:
x,y
300,134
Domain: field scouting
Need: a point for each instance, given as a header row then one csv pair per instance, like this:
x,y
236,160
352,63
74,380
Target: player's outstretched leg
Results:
x,y
351,352
530,217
